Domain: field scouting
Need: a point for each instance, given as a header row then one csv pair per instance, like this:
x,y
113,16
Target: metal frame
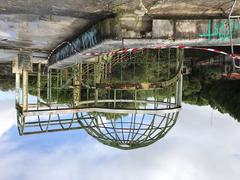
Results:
x,y
230,26
155,121
230,16
124,134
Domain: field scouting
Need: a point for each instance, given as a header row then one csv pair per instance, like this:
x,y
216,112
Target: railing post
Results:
x,y
179,84
25,90
39,84
17,81
97,71
25,64
77,84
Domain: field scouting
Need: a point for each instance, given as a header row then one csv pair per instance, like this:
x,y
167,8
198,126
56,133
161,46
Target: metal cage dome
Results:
x,y
127,100
130,129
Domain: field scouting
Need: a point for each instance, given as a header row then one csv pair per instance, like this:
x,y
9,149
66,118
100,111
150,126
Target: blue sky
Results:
x,y
204,144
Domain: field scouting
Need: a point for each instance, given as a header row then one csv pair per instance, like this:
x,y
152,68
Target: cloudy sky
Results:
x,y
203,145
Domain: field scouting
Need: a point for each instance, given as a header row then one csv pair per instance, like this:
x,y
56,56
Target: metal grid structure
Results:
x,y
117,111
132,130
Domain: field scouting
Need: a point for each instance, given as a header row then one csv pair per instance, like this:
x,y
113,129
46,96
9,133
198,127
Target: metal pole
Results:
x,y
121,68
230,26
115,98
96,96
97,71
179,90
87,93
110,68
17,81
77,83
177,59
39,84
135,98
48,85
50,88
158,62
231,36
88,75
179,84
57,88
61,78
25,90
169,56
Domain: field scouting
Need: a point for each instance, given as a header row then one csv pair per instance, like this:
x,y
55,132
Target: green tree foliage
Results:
x,y
224,95
206,87
7,83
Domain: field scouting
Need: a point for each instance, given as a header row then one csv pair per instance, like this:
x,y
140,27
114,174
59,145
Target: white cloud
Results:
x,y
7,111
194,149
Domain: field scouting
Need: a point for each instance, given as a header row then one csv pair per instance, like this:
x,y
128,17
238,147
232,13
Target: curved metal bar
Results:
x,y
139,127
150,126
59,119
115,132
127,101
49,120
105,110
39,122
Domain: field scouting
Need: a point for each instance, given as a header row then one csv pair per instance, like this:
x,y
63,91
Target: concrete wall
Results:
x,y
179,29
190,28
193,29
134,26
163,28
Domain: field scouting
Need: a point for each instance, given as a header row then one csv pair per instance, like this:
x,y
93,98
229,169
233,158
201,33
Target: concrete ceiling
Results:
x,y
37,32
191,8
41,25
88,8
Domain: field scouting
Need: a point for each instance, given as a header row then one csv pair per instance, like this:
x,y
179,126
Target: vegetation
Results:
x,y
7,83
205,87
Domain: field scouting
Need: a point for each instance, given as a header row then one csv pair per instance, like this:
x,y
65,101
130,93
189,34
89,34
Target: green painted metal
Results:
x,y
121,118
221,29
